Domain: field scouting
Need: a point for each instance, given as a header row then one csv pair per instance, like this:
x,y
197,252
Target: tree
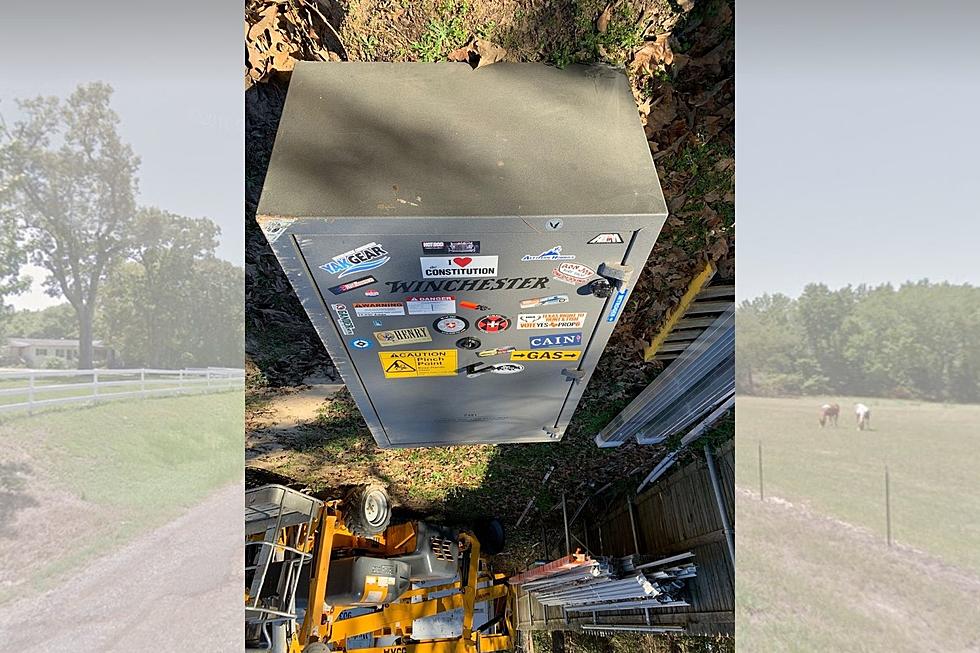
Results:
x,y
71,184
52,322
173,303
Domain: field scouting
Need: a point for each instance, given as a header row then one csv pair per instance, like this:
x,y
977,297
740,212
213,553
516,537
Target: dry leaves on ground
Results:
x,y
478,53
278,33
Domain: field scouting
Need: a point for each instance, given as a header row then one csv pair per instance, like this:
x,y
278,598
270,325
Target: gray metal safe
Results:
x,y
463,240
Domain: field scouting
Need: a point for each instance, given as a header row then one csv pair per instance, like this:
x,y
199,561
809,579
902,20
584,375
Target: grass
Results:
x,y
133,465
839,472
806,584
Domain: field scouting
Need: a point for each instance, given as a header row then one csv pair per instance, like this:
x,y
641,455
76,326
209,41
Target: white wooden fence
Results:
x,y
29,390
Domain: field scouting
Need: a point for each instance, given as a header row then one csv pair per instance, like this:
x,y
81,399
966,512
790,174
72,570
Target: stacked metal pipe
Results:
x,y
604,584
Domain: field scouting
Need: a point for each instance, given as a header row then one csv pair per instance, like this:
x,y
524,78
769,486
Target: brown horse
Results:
x,y
829,414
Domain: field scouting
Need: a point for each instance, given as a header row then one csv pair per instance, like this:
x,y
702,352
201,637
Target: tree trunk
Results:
x,y
557,641
84,315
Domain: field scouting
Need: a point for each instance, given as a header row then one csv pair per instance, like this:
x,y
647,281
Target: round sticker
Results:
x,y
507,368
493,323
360,343
450,325
468,343
371,293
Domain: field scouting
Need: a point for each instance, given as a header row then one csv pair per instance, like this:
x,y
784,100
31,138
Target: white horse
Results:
x,y
863,414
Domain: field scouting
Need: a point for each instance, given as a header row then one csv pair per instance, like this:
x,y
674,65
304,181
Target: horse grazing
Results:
x,y
863,414
829,414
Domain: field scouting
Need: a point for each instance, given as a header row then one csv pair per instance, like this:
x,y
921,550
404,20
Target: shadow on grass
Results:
x,y
14,495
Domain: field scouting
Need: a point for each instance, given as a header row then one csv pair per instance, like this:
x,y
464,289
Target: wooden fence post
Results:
x,y
762,495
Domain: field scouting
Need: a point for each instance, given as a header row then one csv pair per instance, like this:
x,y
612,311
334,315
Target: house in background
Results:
x,y
37,352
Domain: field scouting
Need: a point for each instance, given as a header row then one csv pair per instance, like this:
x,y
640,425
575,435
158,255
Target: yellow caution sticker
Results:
x,y
546,355
412,364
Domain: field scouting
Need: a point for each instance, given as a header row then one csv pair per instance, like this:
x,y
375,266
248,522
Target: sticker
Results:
x,y
434,247
551,320
468,343
451,285
573,273
495,352
606,239
507,368
434,267
555,340
617,304
428,305
371,293
473,306
544,301
344,320
554,224
356,283
404,336
412,364
553,254
364,258
450,325
275,228
377,323
493,323
546,355
378,309
475,370
360,343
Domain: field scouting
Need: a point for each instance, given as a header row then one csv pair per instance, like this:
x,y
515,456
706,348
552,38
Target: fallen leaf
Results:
x,y
653,53
602,23
478,53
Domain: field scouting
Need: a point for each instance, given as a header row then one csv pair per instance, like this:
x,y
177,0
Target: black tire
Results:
x,y
490,533
367,510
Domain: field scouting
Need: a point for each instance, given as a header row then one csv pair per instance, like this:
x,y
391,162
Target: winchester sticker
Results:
x,y
405,336
436,267
553,254
427,305
546,355
344,320
493,323
413,364
355,284
378,309
364,258
555,340
573,273
486,353
544,301
450,325
473,306
617,304
606,239
551,320
435,247
469,285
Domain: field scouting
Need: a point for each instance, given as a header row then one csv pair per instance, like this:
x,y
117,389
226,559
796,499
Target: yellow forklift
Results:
x,y
338,576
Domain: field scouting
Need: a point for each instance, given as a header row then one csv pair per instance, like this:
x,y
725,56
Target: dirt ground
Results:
x,y
679,58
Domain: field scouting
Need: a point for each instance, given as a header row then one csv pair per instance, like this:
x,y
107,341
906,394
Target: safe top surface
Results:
x,y
440,139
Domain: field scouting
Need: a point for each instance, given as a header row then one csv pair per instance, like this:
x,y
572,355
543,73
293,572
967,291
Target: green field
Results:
x,y
814,568
930,450
81,482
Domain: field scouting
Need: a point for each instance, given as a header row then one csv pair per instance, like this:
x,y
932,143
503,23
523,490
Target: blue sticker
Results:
x,y
617,304
360,343
361,259
556,340
376,323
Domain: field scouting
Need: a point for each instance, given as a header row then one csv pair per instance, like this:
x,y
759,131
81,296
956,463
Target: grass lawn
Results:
x,y
930,450
806,584
90,479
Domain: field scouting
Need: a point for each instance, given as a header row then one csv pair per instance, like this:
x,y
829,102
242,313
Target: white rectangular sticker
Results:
x,y
429,305
378,309
551,320
344,320
473,267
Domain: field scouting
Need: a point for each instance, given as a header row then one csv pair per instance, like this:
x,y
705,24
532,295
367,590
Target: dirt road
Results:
x,y
177,588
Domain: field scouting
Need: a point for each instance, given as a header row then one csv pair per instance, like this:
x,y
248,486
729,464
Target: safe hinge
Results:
x,y
573,375
617,273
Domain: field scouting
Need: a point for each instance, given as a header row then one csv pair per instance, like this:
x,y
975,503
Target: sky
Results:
x,y
176,68
857,143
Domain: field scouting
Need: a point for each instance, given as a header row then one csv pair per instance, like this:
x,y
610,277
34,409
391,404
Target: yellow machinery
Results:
x,y
335,576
